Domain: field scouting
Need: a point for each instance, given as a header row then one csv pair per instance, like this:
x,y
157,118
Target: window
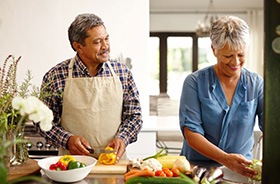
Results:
x,y
179,64
173,56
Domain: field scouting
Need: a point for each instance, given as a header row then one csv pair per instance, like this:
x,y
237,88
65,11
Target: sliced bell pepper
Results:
x,y
107,158
65,159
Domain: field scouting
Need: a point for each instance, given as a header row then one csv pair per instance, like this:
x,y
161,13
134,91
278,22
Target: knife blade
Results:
x,y
99,151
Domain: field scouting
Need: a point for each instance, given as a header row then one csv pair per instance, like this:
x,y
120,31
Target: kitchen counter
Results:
x,y
95,179
90,179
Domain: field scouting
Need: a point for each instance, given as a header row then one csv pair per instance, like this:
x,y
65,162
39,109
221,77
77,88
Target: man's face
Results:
x,y
97,46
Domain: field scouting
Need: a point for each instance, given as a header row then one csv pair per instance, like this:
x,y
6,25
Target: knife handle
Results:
x,y
91,151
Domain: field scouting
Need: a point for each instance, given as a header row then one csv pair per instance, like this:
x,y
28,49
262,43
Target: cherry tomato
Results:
x,y
175,172
160,173
168,173
165,168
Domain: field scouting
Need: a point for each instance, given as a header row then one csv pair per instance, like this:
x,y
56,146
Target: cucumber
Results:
x,y
160,180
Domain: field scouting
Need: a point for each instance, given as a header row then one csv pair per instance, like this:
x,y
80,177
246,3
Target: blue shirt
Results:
x,y
204,109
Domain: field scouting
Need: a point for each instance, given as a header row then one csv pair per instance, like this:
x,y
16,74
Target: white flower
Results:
x,y
18,103
35,109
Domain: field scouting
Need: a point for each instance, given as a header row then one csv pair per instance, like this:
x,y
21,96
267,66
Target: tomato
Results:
x,y
175,172
168,172
165,168
160,173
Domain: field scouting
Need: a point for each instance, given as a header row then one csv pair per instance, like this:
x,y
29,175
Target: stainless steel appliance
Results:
x,y
37,146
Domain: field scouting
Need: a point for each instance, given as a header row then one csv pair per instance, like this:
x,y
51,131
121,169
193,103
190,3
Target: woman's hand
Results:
x,y
119,146
239,164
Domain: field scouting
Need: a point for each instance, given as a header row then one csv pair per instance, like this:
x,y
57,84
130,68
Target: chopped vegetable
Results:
x,y
257,166
107,158
75,165
151,164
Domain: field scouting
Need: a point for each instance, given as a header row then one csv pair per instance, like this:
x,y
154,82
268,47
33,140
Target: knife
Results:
x,y
98,151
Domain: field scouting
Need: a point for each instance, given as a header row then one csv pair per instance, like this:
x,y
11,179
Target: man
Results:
x,y
94,99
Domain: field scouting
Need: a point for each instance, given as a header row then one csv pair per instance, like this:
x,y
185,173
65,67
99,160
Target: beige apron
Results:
x,y
92,108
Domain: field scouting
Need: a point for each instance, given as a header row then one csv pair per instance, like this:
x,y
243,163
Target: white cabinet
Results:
x,y
144,146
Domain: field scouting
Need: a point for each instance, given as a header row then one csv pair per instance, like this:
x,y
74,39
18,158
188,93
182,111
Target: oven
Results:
x,y
37,146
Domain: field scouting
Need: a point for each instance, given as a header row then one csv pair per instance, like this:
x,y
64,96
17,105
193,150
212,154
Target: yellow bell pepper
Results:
x,y
107,158
65,159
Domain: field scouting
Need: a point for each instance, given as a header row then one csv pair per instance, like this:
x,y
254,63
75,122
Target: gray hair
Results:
x,y
77,32
232,31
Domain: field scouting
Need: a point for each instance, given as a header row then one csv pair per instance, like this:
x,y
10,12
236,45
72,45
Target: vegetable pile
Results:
x,y
159,168
66,162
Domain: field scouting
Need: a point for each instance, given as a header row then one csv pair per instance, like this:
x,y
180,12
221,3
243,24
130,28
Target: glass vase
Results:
x,y
19,150
6,150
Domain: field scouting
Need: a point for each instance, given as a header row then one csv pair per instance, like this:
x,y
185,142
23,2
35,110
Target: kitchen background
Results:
x,y
37,31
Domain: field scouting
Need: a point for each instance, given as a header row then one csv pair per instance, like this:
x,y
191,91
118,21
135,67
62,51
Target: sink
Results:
x,y
231,177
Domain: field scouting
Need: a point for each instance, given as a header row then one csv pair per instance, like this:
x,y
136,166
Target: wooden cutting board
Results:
x,y
27,168
119,168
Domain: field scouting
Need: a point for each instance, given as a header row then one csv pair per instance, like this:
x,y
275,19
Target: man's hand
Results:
x,y
77,145
119,146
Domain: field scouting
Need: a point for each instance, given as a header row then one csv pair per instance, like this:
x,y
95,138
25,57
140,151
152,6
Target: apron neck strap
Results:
x,y
70,68
71,64
111,69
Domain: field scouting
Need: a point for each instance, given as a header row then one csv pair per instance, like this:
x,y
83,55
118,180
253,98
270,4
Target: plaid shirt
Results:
x,y
54,83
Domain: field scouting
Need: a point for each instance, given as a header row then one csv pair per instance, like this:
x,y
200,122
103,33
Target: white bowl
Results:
x,y
68,175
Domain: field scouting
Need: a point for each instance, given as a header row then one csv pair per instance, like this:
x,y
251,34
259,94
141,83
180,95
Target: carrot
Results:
x,y
144,172
132,172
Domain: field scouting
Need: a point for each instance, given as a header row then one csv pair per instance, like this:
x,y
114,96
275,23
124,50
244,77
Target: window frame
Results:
x,y
163,72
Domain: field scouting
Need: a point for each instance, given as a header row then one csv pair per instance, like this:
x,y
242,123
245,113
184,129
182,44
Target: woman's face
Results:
x,y
229,61
97,46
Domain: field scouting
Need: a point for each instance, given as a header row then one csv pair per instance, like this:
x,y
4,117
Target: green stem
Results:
x,y
157,155
19,124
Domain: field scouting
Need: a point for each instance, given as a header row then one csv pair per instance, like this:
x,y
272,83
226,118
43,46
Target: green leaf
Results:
x,y
3,173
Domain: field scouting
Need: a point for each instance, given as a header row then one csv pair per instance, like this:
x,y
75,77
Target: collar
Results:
x,y
83,68
242,80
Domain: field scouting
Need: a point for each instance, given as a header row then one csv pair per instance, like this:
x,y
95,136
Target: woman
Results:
x,y
219,103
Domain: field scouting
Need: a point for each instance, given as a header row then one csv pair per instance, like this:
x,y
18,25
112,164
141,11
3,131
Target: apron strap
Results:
x,y
70,68
71,64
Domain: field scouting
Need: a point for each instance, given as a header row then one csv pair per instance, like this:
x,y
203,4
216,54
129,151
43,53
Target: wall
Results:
x,y
37,31
179,22
187,21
